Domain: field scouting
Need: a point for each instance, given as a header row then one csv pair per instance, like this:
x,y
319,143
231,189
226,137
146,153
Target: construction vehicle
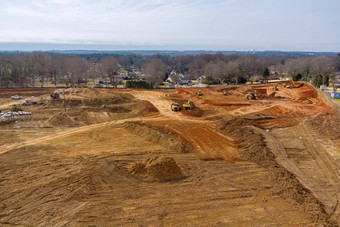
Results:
x,y
250,95
47,97
291,84
199,93
26,102
274,87
16,108
188,105
54,96
44,98
175,107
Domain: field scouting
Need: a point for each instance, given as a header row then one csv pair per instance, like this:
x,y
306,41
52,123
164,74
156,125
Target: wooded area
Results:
x,y
38,68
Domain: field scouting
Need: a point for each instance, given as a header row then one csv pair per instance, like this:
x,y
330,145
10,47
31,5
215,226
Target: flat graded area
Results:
x,y
122,157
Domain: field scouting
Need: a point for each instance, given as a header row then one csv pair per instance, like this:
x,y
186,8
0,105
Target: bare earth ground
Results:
x,y
271,161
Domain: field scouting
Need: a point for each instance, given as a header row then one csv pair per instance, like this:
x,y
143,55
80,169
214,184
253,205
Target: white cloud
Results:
x,y
217,23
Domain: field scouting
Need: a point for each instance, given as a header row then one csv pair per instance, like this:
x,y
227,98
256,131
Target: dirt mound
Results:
x,y
158,134
244,89
160,168
60,119
72,91
148,108
90,92
59,91
327,125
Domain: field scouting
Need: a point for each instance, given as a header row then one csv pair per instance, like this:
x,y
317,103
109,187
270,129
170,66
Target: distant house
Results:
x,y
201,79
186,82
323,87
104,81
337,76
335,95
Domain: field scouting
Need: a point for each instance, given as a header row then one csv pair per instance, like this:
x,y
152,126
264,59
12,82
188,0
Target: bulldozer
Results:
x,y
274,88
16,108
250,96
188,105
199,93
175,107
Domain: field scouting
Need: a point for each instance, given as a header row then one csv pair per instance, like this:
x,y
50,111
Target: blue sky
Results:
x,y
307,25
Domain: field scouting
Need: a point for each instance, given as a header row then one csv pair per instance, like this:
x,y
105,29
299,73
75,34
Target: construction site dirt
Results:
x,y
243,155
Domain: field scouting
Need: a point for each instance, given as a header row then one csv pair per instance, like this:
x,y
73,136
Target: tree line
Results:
x,y
37,68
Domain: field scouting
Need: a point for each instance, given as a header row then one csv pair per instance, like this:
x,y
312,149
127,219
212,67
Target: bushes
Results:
x,y
297,77
241,80
317,81
325,80
138,84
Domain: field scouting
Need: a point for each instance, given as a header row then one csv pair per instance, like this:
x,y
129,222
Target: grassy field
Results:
x,y
336,101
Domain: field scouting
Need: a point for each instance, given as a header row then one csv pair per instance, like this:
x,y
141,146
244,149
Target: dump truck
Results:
x,y
175,107
188,105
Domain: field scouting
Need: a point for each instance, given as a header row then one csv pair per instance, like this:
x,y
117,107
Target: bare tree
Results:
x,y
124,61
110,69
232,68
156,70
41,63
76,69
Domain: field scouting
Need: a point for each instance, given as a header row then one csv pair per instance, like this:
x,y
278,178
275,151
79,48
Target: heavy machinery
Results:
x,y
26,102
250,95
188,105
175,107
199,93
274,88
291,84
45,98
16,108
54,96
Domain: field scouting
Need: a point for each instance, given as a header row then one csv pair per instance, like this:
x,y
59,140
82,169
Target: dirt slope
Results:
x,y
241,162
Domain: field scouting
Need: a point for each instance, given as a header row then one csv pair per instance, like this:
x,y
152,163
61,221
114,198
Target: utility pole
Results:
x,y
64,100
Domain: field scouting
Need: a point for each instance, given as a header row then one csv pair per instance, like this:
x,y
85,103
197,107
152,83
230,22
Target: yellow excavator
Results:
x,y
44,98
291,84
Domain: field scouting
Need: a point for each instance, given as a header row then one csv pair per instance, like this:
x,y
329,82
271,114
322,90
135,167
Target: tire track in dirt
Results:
x,y
4,149
328,166
208,143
